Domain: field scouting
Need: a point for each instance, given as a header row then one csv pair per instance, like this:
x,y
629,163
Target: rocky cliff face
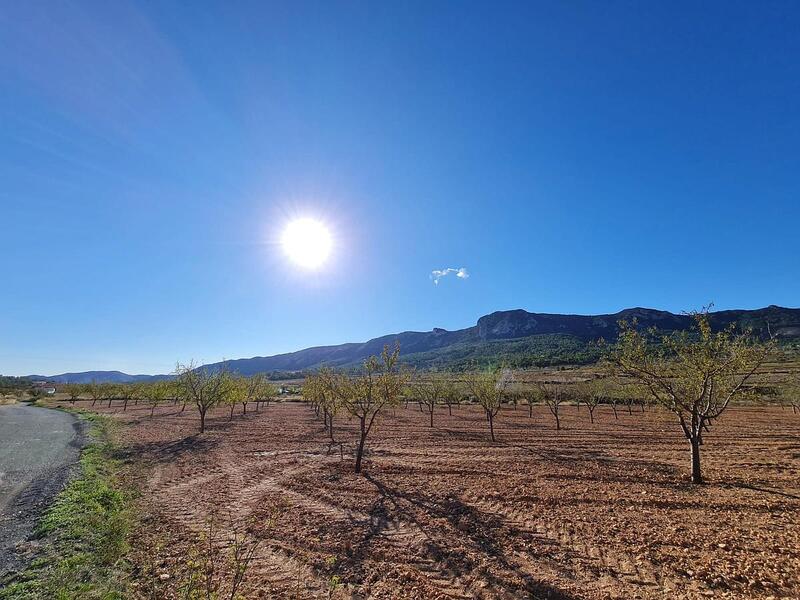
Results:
x,y
514,324
519,323
501,325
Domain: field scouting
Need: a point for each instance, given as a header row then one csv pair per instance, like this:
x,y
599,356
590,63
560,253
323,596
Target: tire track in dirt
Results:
x,y
609,567
445,513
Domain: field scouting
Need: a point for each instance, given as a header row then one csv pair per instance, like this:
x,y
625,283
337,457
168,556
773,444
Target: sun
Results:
x,y
307,243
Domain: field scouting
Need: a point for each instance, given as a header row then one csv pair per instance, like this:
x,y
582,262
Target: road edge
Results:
x,y
31,503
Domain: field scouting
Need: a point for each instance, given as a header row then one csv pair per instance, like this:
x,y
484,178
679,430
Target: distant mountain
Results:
x,y
516,337
96,376
539,337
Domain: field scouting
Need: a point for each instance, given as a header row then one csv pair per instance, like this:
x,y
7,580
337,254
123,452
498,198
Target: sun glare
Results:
x,y
307,243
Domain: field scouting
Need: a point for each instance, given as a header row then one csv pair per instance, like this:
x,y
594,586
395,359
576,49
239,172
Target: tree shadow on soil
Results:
x,y
481,534
755,488
164,452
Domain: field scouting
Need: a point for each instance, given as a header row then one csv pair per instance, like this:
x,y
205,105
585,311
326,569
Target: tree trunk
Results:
x,y
431,416
125,405
530,411
591,415
109,402
202,420
183,408
697,476
231,417
614,408
360,451
244,408
152,409
490,416
330,426
450,409
558,421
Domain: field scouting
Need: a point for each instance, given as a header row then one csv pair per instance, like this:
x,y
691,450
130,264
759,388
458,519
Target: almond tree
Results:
x,y
329,402
204,387
263,390
592,392
451,393
95,391
154,394
312,391
132,391
253,389
364,396
617,389
694,374
788,392
318,389
74,390
237,393
173,391
488,388
553,396
429,391
110,392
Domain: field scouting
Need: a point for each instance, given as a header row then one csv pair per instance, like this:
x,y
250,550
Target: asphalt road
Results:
x,y
38,448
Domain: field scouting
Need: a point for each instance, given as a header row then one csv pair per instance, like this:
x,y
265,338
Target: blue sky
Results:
x,y
573,157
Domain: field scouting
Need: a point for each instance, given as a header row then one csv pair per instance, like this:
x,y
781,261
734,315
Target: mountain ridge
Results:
x,y
497,332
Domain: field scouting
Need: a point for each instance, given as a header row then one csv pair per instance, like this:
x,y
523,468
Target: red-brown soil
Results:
x,y
592,511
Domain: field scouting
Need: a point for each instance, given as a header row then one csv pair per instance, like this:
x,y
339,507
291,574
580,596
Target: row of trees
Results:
x,y
204,388
694,374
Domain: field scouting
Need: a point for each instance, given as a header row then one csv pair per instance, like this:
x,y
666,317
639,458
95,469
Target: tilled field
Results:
x,y
592,511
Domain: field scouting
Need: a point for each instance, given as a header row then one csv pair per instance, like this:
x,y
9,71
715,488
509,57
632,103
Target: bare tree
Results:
x,y
364,396
591,392
554,396
532,395
488,388
429,391
694,374
204,387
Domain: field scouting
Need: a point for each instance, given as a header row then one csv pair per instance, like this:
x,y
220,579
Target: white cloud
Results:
x,y
437,274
